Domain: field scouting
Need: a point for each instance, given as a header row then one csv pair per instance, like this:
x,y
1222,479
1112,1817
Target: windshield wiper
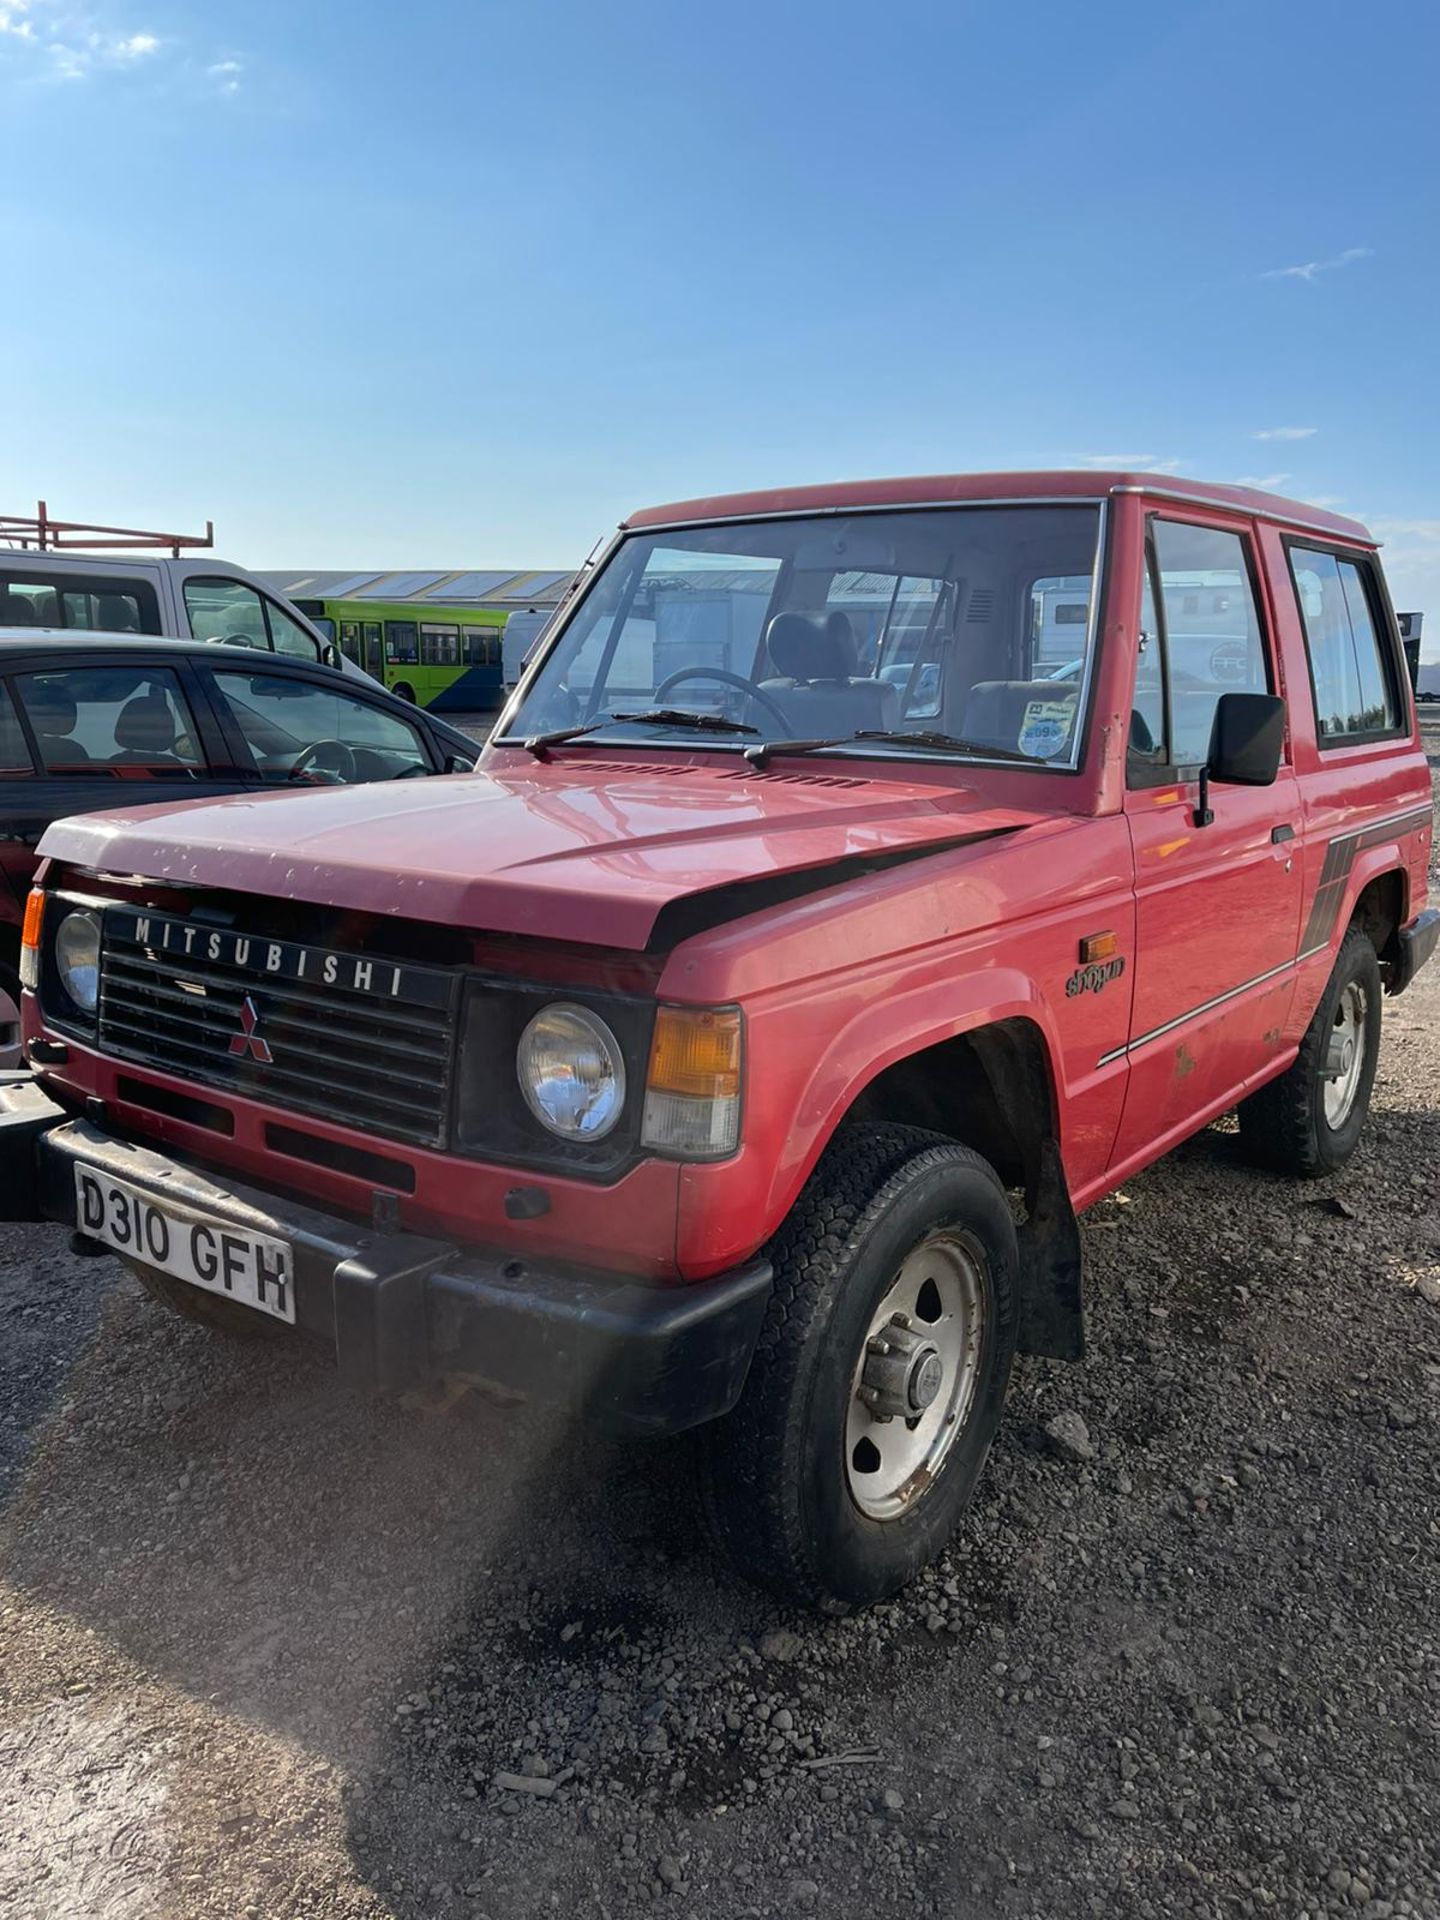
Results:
x,y
757,756
540,743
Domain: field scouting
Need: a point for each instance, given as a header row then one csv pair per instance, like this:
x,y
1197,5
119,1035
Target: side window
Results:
x,y
1210,633
111,721
226,610
439,646
1351,668
288,636
402,648
299,729
1147,716
102,605
14,754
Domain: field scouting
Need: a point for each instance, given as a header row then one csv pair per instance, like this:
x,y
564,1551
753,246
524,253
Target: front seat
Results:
x,y
818,690
1028,716
145,732
17,611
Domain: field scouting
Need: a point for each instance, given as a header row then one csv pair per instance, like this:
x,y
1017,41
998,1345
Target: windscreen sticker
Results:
x,y
1046,727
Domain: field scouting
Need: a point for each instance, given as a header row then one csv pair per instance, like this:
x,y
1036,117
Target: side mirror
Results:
x,y
458,763
331,654
1247,738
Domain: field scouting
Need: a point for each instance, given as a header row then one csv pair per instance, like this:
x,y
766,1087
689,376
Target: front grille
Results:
x,y
357,1039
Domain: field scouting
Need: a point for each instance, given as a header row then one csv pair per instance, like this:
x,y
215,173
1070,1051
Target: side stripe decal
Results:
x,y
1335,873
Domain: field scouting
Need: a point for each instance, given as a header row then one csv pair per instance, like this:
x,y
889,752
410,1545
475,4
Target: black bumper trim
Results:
x,y
26,1113
403,1310
1416,943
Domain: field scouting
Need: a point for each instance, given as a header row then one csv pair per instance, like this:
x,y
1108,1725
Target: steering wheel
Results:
x,y
340,772
747,687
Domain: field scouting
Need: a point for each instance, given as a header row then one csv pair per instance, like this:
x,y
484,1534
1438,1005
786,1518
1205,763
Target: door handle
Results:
x,y
1279,835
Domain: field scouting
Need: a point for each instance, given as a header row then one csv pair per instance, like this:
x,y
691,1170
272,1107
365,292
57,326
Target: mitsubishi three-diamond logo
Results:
x,y
249,1039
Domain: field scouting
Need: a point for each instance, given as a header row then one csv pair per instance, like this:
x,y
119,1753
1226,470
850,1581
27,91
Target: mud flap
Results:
x,y
26,1113
1052,1312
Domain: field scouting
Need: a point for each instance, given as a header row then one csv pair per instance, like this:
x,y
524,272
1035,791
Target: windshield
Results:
x,y
969,628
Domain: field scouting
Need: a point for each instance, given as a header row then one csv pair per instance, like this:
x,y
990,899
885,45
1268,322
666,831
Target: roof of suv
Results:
x,y
944,489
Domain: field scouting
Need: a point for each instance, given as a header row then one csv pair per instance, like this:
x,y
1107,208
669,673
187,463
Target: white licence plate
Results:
x,y
248,1267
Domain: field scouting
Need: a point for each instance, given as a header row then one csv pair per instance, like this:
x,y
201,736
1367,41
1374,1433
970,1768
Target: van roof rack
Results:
x,y
44,534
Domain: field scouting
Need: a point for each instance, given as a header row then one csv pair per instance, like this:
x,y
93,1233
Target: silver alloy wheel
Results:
x,y
917,1375
1345,1055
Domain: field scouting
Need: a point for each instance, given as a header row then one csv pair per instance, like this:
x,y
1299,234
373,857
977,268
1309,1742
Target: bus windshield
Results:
x,y
972,623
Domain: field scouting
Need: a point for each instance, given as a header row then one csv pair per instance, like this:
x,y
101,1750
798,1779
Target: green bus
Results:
x,y
447,658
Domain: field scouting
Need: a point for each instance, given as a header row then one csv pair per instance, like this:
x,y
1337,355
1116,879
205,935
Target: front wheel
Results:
x,y
404,691
1309,1121
880,1374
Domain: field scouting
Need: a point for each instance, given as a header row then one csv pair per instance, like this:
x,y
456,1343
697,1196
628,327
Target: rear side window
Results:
x,y
112,722
1201,638
30,598
1352,668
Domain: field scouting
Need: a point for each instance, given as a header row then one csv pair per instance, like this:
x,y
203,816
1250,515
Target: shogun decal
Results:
x,y
1094,978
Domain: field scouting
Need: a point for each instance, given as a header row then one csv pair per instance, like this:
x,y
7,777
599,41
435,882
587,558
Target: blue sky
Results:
x,y
459,284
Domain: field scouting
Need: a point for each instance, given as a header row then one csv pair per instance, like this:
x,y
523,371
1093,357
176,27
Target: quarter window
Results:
x,y
111,721
1350,667
1202,640
102,606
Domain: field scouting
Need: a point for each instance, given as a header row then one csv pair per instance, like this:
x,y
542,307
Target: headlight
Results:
x,y
77,958
572,1072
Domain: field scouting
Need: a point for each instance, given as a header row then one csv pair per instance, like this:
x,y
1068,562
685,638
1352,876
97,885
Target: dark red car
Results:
x,y
862,882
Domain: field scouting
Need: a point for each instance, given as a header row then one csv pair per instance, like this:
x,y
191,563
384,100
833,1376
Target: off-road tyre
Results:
x,y
1284,1126
207,1309
774,1484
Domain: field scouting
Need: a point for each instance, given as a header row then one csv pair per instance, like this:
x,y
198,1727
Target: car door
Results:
x,y
290,726
111,729
1217,900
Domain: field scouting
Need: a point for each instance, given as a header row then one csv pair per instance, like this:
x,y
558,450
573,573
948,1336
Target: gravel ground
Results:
x,y
267,1650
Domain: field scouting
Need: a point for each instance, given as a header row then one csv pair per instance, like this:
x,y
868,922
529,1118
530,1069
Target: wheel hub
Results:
x,y
903,1371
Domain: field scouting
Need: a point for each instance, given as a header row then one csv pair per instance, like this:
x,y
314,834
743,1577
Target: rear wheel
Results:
x,y
206,1309
404,691
1309,1121
877,1386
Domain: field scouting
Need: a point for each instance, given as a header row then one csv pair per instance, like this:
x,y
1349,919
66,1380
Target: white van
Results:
x,y
199,599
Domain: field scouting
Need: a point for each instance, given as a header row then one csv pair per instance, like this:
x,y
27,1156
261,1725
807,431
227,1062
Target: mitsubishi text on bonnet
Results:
x,y
861,881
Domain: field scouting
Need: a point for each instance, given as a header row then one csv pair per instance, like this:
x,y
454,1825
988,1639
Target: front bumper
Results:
x,y
1416,944
403,1311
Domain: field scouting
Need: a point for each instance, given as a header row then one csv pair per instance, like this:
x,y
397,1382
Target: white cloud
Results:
x,y
1130,463
70,40
1309,269
227,73
13,19
135,46
1285,433
1266,482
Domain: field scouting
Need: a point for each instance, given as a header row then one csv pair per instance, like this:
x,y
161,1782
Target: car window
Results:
x,y
288,636
226,610
14,754
30,599
299,729
1354,691
1212,641
117,722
